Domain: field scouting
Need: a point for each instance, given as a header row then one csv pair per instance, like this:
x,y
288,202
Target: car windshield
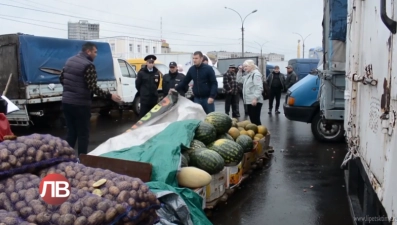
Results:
x,y
217,73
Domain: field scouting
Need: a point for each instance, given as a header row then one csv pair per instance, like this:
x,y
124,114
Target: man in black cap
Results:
x,y
230,88
205,86
291,77
147,83
276,83
173,79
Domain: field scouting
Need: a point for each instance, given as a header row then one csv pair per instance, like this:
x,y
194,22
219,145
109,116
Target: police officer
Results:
x,y
147,83
172,79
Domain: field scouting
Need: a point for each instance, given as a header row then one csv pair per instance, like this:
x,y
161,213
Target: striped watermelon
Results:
x,y
209,161
205,133
230,151
193,156
221,121
184,161
225,136
246,142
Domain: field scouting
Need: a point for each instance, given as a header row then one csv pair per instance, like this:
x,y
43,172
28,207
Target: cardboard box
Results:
x,y
235,175
217,187
202,193
248,160
263,145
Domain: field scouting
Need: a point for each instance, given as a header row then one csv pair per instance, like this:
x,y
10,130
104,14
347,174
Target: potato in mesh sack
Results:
x,y
112,186
20,194
31,152
12,218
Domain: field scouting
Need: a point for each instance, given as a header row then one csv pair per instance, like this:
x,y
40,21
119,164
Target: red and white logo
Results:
x,y
54,189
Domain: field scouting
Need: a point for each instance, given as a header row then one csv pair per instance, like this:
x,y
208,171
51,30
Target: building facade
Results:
x,y
131,48
83,30
226,55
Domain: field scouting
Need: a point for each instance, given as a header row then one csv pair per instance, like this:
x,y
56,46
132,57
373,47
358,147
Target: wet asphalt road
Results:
x,y
302,183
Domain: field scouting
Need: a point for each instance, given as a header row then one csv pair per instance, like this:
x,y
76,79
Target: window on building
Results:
x,y
131,48
112,47
147,49
139,48
154,49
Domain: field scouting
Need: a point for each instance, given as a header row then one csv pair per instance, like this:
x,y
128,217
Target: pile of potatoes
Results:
x,y
124,190
20,197
11,218
28,151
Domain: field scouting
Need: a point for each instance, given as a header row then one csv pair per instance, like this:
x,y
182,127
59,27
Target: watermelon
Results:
x,y
245,142
230,151
225,136
186,154
184,161
209,161
193,156
221,121
205,133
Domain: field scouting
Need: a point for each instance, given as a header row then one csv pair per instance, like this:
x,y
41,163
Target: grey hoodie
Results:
x,y
252,86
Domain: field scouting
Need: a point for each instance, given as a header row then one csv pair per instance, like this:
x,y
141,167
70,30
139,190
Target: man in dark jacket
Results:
x,y
205,86
230,88
291,77
147,83
79,80
172,79
276,82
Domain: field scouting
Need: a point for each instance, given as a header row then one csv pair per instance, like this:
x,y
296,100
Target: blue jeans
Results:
x,y
208,108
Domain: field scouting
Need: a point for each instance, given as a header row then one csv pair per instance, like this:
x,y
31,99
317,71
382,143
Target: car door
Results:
x,y
127,80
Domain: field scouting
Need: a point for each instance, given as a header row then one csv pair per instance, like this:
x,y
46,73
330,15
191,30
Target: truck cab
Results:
x,y
302,104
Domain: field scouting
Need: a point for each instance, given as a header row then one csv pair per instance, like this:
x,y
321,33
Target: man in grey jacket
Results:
x,y
276,83
291,77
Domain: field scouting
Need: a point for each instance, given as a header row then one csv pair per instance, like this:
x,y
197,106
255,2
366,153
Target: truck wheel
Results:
x,y
327,132
136,107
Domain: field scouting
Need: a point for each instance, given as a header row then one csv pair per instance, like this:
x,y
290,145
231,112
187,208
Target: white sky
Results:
x,y
187,25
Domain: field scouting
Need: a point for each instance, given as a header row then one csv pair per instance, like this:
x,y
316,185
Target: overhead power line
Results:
x,y
3,17
114,23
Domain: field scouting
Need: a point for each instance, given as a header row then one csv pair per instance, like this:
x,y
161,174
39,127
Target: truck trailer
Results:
x,y
33,65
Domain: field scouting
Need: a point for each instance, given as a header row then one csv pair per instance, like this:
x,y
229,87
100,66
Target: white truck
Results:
x,y
370,101
33,65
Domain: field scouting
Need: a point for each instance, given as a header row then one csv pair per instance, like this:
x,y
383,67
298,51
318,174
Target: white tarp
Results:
x,y
184,109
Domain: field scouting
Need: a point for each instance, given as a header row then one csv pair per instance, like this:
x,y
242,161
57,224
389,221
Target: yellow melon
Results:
x,y
260,136
251,133
243,123
252,127
234,132
235,120
256,138
240,128
262,130
243,132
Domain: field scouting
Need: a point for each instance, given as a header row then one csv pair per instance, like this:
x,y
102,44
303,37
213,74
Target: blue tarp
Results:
x,y
338,20
45,52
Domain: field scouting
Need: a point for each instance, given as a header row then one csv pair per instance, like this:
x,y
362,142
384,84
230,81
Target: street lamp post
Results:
x,y
261,46
303,42
242,27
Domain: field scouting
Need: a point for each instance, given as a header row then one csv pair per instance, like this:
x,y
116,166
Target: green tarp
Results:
x,y
163,151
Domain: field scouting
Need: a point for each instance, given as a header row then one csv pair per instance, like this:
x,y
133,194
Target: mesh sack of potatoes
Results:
x,y
33,152
20,194
109,185
11,218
